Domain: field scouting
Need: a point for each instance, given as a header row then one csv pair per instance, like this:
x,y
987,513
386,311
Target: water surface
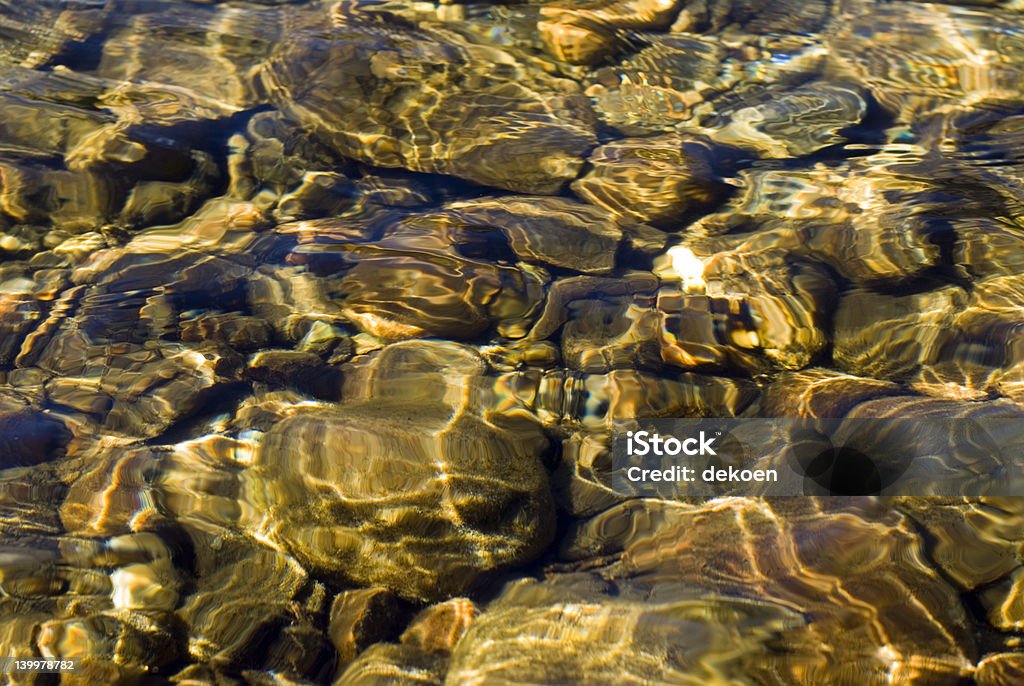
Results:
x,y
316,319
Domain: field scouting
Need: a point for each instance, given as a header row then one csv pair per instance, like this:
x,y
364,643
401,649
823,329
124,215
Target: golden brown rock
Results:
x,y
384,664
910,328
1000,669
820,393
794,123
577,627
474,496
104,603
817,551
748,310
493,128
917,59
552,231
602,336
664,84
657,180
438,628
249,601
577,38
976,541
361,617
871,221
1005,602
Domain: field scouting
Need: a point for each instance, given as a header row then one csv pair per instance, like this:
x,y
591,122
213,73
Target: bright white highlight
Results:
x,y
688,267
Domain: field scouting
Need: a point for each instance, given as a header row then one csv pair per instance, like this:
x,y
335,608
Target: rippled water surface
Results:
x,y
316,318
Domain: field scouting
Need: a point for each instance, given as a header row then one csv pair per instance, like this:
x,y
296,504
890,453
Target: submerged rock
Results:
x,y
28,436
553,231
794,123
917,58
748,310
947,342
821,393
987,247
418,277
106,603
409,296
361,617
590,32
880,565
601,336
577,627
910,329
656,180
419,100
387,663
871,221
654,611
1000,669
976,541
660,86
415,497
596,401
577,37
253,601
439,627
